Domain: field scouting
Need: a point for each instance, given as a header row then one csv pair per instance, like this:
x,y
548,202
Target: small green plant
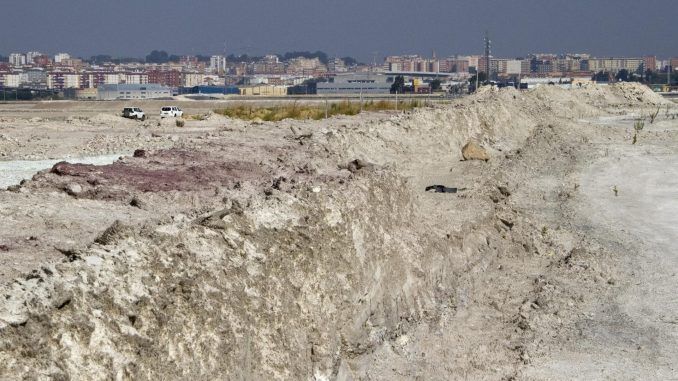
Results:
x,y
637,127
615,190
180,123
544,231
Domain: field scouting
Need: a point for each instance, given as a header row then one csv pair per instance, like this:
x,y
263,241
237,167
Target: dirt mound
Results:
x,y
270,257
638,93
108,119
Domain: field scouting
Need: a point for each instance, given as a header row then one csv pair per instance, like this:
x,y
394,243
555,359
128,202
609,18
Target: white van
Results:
x,y
171,111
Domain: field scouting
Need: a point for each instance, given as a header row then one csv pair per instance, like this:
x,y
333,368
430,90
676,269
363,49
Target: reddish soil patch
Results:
x,y
164,171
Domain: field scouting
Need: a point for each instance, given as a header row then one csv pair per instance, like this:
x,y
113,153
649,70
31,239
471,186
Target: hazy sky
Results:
x,y
340,27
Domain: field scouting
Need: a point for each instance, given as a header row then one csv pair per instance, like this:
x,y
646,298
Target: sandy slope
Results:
x,y
255,251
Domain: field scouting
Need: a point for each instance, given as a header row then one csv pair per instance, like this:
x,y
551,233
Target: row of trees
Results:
x,y
161,56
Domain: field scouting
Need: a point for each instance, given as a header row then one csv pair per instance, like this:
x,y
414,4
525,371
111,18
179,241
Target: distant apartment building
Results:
x,y
414,63
42,61
111,79
75,63
31,56
474,62
217,64
337,65
566,65
35,78
60,57
136,78
192,79
454,65
514,67
63,80
90,80
10,80
482,65
614,65
305,66
189,61
650,63
17,59
267,67
499,66
171,78
133,91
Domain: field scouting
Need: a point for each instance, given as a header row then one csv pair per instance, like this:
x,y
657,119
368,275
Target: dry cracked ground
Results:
x,y
311,250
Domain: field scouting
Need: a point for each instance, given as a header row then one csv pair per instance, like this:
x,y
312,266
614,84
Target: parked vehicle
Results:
x,y
133,113
171,111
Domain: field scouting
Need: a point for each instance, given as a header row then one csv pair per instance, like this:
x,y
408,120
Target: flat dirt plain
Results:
x,y
293,250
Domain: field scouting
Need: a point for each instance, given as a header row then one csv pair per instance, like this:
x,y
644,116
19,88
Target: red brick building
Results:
x,y
166,78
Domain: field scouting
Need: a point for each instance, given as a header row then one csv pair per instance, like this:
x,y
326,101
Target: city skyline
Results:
x,y
381,59
605,28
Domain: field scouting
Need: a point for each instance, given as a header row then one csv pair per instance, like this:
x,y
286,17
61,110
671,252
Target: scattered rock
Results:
x,y
73,189
472,151
357,165
282,184
215,220
137,203
509,224
72,255
299,135
139,153
504,191
61,168
116,231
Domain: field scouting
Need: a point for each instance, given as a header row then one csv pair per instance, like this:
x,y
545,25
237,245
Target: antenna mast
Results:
x,y
488,47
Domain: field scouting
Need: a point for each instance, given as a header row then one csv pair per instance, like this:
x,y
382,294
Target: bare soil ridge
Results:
x,y
309,250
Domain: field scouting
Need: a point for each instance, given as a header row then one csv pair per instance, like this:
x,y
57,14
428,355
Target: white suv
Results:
x,y
171,111
133,113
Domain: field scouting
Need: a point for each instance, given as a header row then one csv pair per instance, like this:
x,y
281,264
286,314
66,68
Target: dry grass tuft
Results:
x,y
295,111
